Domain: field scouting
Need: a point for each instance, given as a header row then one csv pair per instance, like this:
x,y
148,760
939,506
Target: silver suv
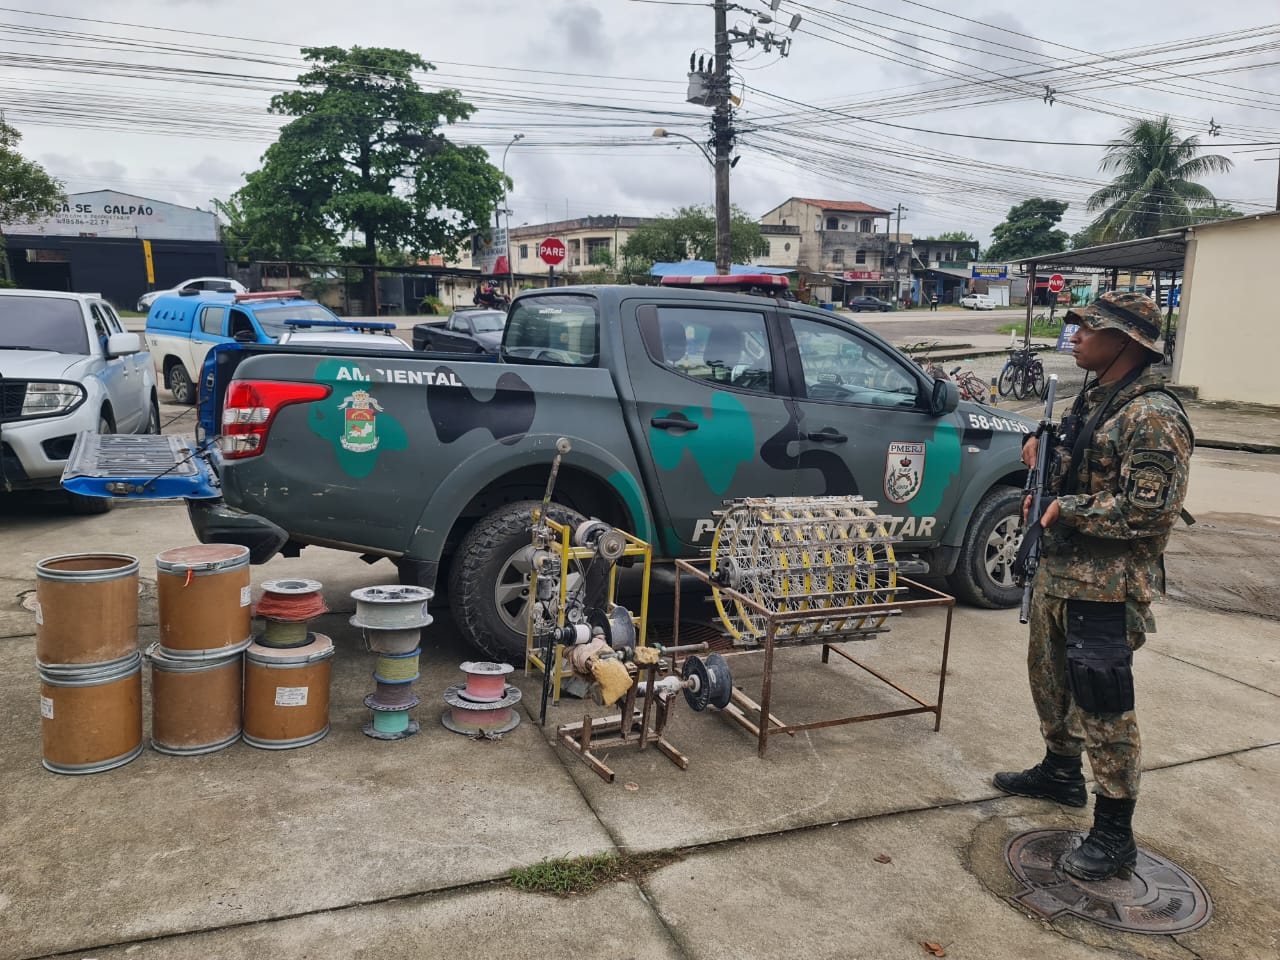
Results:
x,y
67,365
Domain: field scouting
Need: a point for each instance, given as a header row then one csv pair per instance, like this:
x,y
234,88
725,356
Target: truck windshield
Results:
x,y
43,323
272,319
552,328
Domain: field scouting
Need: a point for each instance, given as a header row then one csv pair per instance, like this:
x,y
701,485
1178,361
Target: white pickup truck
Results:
x,y
67,365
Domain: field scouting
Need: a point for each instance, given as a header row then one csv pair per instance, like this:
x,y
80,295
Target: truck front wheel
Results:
x,y
489,584
984,573
180,385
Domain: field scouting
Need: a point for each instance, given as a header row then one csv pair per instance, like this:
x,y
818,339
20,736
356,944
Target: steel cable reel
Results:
x,y
801,553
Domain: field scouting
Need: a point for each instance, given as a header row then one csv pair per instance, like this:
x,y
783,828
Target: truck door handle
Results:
x,y
678,422
827,435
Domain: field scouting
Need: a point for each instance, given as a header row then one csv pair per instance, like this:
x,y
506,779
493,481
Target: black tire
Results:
x,y
180,385
1010,381
983,576
884,309
857,309
87,506
153,417
1033,382
489,582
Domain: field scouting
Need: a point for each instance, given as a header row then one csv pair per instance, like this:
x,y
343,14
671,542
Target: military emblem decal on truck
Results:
x,y
360,427
904,471
354,423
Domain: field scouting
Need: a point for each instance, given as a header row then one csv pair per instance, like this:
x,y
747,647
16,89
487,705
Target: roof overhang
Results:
x,y
1164,251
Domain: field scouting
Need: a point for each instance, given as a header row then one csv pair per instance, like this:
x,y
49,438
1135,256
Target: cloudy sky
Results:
x,y
956,116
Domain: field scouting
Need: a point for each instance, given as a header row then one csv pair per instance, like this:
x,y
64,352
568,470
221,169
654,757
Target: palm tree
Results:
x,y
1156,188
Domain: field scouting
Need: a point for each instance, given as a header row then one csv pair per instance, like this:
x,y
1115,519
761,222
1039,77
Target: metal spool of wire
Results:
x,y
285,608
791,554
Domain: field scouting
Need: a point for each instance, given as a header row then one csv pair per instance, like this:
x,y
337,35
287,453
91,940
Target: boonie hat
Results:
x,y
1133,314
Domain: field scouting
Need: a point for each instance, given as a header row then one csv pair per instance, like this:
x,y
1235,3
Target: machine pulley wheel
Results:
x,y
711,683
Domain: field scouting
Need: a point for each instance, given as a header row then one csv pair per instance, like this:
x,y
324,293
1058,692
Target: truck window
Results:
x,y
212,320
727,347
839,365
553,329
43,323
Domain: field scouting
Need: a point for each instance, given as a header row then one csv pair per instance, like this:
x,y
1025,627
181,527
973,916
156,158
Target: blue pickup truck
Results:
x,y
674,400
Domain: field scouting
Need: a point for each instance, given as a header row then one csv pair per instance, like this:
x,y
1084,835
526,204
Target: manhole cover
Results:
x,y
1155,897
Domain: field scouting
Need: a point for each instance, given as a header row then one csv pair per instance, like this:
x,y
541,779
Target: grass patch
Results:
x,y
567,877
1040,327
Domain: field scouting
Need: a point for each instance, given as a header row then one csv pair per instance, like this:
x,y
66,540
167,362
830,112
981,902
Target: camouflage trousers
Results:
x,y
1111,739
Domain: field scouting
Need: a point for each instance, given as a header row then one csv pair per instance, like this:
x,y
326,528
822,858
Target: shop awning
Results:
x,y
1164,251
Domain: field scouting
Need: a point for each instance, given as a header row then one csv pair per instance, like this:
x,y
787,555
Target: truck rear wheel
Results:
x,y
180,385
984,573
489,583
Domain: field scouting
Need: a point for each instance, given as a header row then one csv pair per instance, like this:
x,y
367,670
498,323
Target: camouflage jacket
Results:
x,y
1108,543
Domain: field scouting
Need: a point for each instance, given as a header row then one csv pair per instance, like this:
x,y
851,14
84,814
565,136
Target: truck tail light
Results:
x,y
252,405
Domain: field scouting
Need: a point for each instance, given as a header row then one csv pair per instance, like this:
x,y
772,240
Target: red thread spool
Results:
x,y
486,681
290,601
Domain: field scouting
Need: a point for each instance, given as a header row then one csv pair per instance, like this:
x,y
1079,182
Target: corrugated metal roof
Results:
x,y
1164,251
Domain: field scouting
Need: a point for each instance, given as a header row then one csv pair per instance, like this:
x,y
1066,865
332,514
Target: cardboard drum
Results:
x,y
86,610
195,704
203,596
286,694
91,721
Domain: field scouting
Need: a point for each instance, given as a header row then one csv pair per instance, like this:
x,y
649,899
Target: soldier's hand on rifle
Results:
x,y
1030,449
1048,518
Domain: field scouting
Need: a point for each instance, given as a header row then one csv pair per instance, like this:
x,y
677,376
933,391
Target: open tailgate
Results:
x,y
147,467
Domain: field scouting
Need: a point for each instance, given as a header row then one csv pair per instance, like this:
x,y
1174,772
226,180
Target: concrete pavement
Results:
x,y
355,847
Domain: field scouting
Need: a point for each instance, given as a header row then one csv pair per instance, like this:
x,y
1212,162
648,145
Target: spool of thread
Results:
x,y
392,641
394,607
469,717
392,696
486,681
397,666
390,725
290,601
284,633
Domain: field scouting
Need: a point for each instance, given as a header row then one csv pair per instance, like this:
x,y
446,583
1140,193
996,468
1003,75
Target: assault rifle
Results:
x,y
1028,559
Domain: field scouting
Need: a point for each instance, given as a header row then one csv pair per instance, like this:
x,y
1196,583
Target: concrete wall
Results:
x,y
1229,317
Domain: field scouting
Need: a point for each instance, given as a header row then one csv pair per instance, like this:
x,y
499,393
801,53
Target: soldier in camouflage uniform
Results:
x,y
1116,488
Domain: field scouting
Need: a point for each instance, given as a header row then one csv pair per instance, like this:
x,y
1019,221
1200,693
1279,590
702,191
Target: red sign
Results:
x,y
1056,283
552,251
862,275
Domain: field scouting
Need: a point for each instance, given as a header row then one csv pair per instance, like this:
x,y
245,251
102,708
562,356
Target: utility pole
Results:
x,y
710,86
897,256
722,138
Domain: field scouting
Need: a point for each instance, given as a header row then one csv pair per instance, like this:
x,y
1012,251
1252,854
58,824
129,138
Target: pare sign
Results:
x,y
552,251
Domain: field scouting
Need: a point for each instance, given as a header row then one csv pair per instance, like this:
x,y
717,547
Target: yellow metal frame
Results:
x,y
533,655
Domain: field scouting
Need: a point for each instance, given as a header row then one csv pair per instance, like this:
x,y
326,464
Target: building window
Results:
x,y
860,257
837,256
768,249
595,247
524,251
866,226
786,247
833,223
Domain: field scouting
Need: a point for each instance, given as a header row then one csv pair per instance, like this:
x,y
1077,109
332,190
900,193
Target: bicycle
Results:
x,y
972,386
923,348
1022,375
1170,339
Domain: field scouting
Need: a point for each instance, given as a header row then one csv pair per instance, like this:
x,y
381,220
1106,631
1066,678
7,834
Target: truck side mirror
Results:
x,y
945,397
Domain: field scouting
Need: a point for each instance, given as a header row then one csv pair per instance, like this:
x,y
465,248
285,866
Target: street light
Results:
x,y
506,239
661,132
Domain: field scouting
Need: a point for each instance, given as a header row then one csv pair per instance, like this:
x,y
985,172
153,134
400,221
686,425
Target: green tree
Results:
x,y
26,191
952,236
364,155
690,232
1156,187
1028,230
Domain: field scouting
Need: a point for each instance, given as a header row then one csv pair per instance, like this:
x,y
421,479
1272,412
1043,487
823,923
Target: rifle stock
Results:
x,y
1029,552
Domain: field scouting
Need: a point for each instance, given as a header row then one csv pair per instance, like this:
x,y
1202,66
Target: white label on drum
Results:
x,y
39,614
291,696
244,596
46,707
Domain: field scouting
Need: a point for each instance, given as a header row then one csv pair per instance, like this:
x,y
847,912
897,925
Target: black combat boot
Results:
x,y
1109,847
1054,778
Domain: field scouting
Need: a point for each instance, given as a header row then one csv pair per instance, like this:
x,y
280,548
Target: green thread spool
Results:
x,y
283,633
397,667
390,721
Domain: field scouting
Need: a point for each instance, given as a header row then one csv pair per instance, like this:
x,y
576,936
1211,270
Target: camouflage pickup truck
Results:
x,y
674,400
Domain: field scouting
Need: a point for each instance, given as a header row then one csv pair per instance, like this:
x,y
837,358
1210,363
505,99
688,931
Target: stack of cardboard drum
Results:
x,y
87,655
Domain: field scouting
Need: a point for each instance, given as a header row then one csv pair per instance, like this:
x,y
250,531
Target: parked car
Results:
x,y
978,301
192,286
466,331
181,329
67,366
858,304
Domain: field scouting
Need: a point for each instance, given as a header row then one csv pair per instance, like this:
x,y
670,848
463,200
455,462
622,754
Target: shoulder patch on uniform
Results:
x,y
1151,475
